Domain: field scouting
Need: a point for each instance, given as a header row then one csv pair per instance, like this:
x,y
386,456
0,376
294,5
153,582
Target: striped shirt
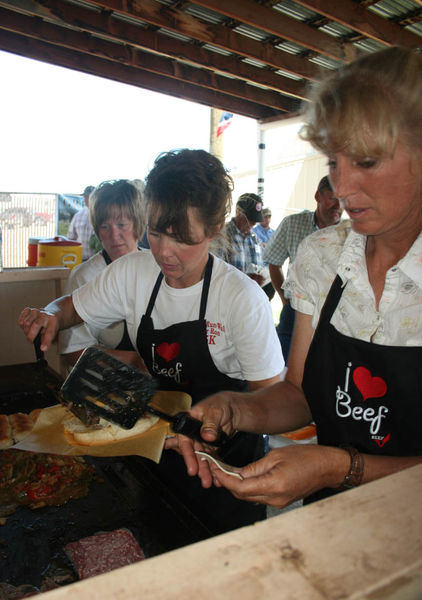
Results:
x,y
80,229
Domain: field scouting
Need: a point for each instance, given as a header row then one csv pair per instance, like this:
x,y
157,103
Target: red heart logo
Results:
x,y
369,387
168,351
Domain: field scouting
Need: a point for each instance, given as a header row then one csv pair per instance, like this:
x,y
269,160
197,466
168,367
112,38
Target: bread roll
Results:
x,y
21,425
5,433
105,432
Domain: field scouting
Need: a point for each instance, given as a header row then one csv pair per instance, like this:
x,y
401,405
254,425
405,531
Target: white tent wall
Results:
x,y
288,171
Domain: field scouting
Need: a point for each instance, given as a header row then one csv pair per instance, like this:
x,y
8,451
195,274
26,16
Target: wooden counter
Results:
x,y
362,544
26,287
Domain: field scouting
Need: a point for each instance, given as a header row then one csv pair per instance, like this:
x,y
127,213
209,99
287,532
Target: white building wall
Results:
x,y
292,170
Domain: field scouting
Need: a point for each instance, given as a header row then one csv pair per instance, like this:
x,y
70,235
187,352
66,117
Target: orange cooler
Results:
x,y
59,252
33,251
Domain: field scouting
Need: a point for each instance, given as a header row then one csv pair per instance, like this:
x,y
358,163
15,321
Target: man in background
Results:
x,y
80,228
244,248
284,244
263,230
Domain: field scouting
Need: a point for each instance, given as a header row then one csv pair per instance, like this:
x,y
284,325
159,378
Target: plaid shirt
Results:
x,y
287,237
244,250
80,229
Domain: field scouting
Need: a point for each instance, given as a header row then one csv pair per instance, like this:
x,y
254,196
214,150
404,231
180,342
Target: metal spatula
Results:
x,y
100,385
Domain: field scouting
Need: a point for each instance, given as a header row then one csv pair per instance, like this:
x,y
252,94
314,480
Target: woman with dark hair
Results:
x,y
199,324
116,214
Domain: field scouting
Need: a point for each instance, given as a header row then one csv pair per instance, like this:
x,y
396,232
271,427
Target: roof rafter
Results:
x,y
95,66
124,54
367,23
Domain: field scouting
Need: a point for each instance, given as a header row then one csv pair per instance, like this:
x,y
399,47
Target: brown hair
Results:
x,y
366,107
121,195
188,178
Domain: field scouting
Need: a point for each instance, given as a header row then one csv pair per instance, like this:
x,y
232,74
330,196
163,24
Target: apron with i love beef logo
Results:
x,y
362,394
179,356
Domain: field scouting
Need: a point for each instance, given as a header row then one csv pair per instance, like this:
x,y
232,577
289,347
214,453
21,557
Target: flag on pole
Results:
x,y
225,120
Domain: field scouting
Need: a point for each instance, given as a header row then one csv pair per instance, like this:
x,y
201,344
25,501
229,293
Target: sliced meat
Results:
x,y
104,552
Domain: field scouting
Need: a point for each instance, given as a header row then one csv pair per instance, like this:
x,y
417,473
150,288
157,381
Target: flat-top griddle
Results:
x,y
124,493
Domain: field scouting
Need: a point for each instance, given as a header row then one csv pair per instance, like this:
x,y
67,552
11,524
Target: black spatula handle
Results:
x,y
184,424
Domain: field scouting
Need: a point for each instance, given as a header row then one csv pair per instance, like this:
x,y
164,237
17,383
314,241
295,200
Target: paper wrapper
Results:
x,y
48,434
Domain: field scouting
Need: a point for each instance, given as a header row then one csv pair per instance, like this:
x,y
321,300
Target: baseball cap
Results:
x,y
88,190
324,184
266,212
251,204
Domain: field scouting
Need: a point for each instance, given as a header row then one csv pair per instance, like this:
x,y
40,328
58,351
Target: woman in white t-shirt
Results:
x,y
199,324
117,217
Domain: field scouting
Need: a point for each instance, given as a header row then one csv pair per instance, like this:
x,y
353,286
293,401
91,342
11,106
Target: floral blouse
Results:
x,y
340,250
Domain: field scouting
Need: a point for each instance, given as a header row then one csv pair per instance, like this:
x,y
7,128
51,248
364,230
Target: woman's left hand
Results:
x,y
287,474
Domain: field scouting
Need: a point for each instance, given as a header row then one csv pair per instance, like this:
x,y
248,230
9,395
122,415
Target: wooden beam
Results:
x,y
125,55
277,24
363,21
85,63
142,38
157,14
365,543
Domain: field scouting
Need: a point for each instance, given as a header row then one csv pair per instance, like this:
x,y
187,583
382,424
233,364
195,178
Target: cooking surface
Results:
x,y
124,493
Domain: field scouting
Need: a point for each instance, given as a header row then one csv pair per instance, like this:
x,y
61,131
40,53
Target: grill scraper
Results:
x,y
100,385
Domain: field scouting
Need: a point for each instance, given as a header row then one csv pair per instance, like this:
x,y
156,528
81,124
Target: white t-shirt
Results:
x,y
338,249
241,332
81,336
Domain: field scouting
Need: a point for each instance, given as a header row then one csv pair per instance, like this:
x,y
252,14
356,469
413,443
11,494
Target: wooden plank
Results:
x,y
125,55
33,274
104,68
364,543
364,21
157,14
278,24
156,42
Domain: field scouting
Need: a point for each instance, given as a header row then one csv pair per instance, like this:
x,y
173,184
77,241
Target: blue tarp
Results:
x,y
68,205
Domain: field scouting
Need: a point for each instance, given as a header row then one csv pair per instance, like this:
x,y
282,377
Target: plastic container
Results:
x,y
33,251
59,252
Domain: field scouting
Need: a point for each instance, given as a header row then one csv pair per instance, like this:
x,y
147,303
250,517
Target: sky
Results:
x,y
62,130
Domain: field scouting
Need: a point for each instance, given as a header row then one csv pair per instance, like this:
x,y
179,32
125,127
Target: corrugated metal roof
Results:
x,y
207,50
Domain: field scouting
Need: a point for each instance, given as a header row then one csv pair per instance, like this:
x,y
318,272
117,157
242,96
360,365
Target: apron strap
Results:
x,y
331,300
204,294
154,295
205,288
106,257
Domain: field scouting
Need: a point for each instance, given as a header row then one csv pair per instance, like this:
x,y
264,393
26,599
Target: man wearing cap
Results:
x,y
284,244
80,228
263,230
244,248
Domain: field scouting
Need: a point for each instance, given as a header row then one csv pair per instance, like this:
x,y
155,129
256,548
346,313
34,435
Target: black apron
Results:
x,y
125,343
361,394
180,359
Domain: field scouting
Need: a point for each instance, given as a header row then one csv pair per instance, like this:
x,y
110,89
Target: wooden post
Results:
x,y
216,143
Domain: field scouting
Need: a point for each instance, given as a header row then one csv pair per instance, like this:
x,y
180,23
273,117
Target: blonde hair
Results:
x,y
367,107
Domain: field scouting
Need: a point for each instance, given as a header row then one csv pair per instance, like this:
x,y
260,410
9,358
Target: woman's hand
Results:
x,y
216,415
287,474
34,320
